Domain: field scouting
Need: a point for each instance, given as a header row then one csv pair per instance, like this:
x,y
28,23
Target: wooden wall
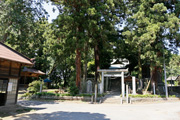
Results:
x,y
10,70
11,95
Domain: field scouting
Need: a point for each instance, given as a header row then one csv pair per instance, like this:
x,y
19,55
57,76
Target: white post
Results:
x,y
154,89
41,87
127,93
107,83
134,85
102,84
122,84
165,78
95,95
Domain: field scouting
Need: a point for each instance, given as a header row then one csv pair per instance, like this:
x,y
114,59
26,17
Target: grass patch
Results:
x,y
24,110
150,96
13,110
67,94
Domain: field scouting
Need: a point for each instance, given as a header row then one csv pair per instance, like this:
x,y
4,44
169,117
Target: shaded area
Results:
x,y
35,103
64,116
13,110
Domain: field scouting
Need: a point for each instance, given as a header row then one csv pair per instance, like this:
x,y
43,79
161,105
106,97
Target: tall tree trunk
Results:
x,y
78,67
140,69
65,75
156,73
97,66
154,76
85,68
139,64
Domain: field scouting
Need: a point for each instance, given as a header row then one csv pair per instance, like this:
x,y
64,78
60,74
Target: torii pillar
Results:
x,y
102,83
122,84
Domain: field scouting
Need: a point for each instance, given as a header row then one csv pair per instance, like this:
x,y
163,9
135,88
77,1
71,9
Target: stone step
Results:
x,y
114,100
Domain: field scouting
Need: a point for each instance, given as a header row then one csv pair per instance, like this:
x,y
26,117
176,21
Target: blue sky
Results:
x,y
49,8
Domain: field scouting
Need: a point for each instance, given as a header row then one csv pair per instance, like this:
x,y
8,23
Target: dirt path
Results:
x,y
85,111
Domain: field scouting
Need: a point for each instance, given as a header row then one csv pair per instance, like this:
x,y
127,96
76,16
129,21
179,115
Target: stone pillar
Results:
x,y
127,94
107,83
134,85
154,89
122,84
89,86
102,84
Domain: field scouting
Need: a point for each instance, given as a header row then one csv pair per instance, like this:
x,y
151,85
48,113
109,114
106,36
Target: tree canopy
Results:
x,y
87,35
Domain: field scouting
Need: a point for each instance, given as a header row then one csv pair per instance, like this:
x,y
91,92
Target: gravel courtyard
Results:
x,y
85,111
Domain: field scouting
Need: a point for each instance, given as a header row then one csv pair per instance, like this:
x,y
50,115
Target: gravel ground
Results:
x,y
84,111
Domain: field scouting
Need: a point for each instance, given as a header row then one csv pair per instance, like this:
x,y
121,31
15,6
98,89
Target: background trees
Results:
x,y
88,34
152,30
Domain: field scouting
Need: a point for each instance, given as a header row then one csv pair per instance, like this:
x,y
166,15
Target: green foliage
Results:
x,y
176,83
150,27
27,94
150,96
173,67
45,94
35,86
65,94
73,89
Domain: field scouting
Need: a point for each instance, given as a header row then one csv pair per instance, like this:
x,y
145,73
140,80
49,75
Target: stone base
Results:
x,y
161,88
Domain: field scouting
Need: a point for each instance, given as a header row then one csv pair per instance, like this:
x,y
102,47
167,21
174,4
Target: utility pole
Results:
x,y
166,90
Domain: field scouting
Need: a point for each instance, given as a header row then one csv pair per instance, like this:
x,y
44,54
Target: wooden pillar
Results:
x,y
122,84
17,89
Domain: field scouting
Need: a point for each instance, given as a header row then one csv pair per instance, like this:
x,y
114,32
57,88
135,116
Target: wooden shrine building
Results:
x,y
29,72
11,63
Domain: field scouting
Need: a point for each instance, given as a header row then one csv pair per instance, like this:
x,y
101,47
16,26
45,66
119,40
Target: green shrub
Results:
x,y
35,86
66,94
144,96
85,95
27,94
150,96
73,90
45,94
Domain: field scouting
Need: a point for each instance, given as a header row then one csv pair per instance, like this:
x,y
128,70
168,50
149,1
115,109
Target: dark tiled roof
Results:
x,y
30,70
171,78
8,53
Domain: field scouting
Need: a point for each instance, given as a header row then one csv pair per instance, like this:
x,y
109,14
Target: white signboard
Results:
x,y
10,87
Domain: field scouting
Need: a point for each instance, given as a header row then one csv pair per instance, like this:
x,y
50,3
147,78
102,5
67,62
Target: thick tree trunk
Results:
x,y
85,68
140,69
156,76
97,66
156,73
78,67
139,64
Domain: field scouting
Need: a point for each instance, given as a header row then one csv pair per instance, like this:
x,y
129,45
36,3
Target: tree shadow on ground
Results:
x,y
60,115
34,102
14,110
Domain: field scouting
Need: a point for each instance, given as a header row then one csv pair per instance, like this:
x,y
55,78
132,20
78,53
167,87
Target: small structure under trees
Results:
x,y
116,73
29,72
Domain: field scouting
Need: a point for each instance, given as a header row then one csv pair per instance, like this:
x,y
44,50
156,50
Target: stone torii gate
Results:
x,y
115,73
